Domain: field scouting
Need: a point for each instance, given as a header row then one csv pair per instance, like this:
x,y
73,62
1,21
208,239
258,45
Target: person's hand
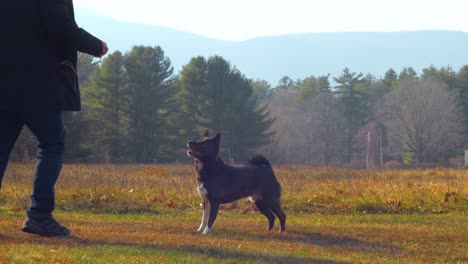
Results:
x,y
105,49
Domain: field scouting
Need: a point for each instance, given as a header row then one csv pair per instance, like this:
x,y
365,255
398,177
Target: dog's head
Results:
x,y
204,148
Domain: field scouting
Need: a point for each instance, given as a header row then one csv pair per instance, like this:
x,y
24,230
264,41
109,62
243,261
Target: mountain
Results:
x,y
297,56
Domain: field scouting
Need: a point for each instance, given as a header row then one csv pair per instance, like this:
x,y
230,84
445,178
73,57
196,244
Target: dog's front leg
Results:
x,y
213,213
206,213
206,206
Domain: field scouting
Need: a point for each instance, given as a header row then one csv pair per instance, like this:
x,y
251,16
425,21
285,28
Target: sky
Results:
x,y
246,19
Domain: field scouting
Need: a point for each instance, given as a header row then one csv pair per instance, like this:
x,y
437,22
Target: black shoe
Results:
x,y
48,227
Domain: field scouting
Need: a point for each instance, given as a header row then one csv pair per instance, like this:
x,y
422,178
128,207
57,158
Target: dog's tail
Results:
x,y
259,161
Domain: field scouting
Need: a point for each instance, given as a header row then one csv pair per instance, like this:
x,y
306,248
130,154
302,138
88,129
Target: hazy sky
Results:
x,y
244,19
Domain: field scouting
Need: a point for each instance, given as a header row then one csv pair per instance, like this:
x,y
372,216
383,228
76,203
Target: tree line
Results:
x,y
366,121
136,109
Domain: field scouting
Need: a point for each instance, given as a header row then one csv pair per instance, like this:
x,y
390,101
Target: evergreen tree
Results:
x,y
218,97
151,89
78,124
286,83
389,80
312,86
108,98
445,74
262,91
379,88
407,73
188,121
354,99
86,66
462,87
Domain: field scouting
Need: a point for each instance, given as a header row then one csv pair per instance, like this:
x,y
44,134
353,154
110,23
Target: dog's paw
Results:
x,y
201,228
206,231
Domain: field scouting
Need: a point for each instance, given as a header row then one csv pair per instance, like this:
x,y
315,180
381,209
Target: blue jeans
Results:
x,y
50,132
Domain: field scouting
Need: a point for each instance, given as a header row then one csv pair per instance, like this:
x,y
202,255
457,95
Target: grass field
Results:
x,y
148,214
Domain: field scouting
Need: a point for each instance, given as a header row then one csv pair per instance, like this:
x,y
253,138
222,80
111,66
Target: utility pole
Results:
x,y
466,155
381,148
368,147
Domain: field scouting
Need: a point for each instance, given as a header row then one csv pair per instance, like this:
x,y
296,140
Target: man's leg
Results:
x,y
50,132
10,128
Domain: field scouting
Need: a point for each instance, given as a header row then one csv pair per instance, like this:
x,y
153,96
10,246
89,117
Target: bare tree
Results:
x,y
309,133
423,118
282,107
324,125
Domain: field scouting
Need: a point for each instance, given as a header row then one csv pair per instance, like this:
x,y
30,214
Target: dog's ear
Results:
x,y
207,133
217,138
217,142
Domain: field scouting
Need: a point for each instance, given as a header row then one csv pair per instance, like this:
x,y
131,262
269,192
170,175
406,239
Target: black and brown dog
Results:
x,y
220,183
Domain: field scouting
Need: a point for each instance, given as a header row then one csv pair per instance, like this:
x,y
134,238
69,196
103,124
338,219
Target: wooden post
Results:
x,y
466,155
466,159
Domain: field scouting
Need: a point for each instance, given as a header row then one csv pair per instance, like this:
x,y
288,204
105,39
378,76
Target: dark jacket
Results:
x,y
36,37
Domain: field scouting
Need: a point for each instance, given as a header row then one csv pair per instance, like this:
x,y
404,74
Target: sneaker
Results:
x,y
48,227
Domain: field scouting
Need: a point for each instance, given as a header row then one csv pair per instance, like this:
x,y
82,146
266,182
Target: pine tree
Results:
x,y
462,77
151,90
218,97
262,91
407,73
313,86
108,98
78,124
286,83
193,92
354,99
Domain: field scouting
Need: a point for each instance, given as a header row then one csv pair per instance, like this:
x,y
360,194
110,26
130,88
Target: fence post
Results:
x,y
466,155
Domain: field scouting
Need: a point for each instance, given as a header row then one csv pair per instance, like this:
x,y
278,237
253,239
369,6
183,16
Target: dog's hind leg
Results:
x,y
263,208
213,213
276,209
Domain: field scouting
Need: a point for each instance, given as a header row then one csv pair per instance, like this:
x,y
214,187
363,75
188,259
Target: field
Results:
x,y
148,214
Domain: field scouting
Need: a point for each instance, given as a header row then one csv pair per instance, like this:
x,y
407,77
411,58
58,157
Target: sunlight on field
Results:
x,y
148,214
144,188
169,237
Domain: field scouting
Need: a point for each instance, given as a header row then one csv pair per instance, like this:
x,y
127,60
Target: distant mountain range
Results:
x,y
297,56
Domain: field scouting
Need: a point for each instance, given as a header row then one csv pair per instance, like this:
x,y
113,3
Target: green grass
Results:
x,y
169,237
148,214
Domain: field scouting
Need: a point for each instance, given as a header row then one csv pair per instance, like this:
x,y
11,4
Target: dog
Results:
x,y
220,183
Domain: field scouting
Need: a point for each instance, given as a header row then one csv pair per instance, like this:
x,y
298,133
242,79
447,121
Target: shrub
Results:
x,y
392,165
456,162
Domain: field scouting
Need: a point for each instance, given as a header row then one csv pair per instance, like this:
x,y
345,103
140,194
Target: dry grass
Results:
x,y
237,238
145,188
147,214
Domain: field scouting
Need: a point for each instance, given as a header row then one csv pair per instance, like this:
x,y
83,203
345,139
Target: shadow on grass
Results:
x,y
321,240
292,236
207,252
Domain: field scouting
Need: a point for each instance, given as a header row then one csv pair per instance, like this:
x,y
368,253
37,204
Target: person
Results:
x,y
40,41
